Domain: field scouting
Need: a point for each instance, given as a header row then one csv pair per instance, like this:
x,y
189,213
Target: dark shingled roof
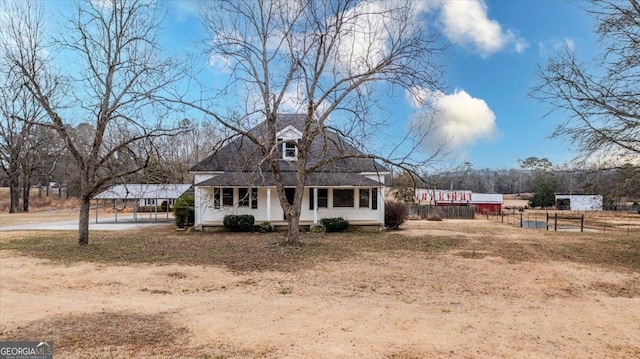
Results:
x,y
316,179
242,161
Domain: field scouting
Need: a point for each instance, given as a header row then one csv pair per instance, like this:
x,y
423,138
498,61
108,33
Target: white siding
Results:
x,y
205,211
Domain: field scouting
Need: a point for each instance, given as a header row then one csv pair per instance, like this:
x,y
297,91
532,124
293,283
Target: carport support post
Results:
x,y
96,211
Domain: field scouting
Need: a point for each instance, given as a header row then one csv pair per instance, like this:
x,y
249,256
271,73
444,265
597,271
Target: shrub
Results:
x,y
239,222
266,227
395,214
335,224
164,207
317,229
183,211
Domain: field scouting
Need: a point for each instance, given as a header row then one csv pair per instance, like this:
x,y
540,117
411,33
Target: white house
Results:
x,y
236,180
577,202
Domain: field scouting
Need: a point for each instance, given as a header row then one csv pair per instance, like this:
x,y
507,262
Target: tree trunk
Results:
x,y
83,224
14,193
293,233
25,194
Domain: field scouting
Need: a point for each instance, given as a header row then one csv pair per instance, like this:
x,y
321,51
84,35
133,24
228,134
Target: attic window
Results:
x,y
288,139
289,149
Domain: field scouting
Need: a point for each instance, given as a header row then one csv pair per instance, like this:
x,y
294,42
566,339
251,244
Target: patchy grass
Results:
x,y
105,334
108,335
245,252
606,250
237,251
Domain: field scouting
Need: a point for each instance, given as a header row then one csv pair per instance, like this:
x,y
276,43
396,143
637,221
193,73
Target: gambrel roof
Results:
x,y
241,160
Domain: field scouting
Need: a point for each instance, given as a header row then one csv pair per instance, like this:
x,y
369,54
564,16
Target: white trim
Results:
x,y
298,134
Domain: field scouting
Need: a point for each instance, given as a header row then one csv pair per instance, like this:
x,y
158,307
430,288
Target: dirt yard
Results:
x,y
497,291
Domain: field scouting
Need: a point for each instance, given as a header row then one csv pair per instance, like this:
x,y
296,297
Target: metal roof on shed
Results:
x,y
486,198
144,191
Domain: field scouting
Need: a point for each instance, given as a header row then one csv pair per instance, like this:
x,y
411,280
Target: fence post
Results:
x,y
520,219
582,223
547,221
555,223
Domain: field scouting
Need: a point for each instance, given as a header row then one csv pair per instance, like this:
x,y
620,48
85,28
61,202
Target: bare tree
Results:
x,y
601,98
326,59
177,154
23,146
112,76
14,135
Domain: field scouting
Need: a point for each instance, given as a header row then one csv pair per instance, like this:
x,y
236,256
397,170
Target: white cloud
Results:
x,y
466,24
295,101
363,44
185,9
547,48
460,119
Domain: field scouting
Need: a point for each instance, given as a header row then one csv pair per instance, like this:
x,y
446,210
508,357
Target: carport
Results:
x,y
135,193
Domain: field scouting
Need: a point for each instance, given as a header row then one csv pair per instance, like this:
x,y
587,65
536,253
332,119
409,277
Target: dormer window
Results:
x,y
288,138
290,150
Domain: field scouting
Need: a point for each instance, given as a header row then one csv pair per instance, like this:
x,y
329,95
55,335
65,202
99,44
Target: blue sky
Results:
x,y
504,79
494,49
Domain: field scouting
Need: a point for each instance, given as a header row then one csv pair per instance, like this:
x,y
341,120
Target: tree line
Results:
x,y
536,179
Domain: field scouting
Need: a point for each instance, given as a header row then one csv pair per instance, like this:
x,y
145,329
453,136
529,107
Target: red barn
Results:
x,y
487,202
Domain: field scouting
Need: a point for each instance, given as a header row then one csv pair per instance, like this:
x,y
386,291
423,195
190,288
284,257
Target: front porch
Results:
x,y
278,226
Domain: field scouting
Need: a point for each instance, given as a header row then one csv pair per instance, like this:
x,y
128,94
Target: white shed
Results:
x,y
579,202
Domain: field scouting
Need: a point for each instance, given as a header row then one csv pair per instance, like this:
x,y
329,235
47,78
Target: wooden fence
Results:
x,y
445,212
601,222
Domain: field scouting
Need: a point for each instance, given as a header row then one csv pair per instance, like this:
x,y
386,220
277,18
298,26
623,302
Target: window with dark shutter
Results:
x,y
254,198
374,198
227,197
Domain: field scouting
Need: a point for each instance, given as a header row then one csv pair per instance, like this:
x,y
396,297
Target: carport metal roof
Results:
x,y
144,191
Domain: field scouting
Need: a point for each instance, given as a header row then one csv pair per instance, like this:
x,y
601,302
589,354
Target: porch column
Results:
x,y
268,204
381,204
315,205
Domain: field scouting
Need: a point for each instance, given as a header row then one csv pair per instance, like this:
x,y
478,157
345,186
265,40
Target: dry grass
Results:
x,y
39,202
245,252
625,223
472,245
105,335
610,251
237,251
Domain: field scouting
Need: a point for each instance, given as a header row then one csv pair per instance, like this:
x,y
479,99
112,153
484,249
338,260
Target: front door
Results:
x,y
289,193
